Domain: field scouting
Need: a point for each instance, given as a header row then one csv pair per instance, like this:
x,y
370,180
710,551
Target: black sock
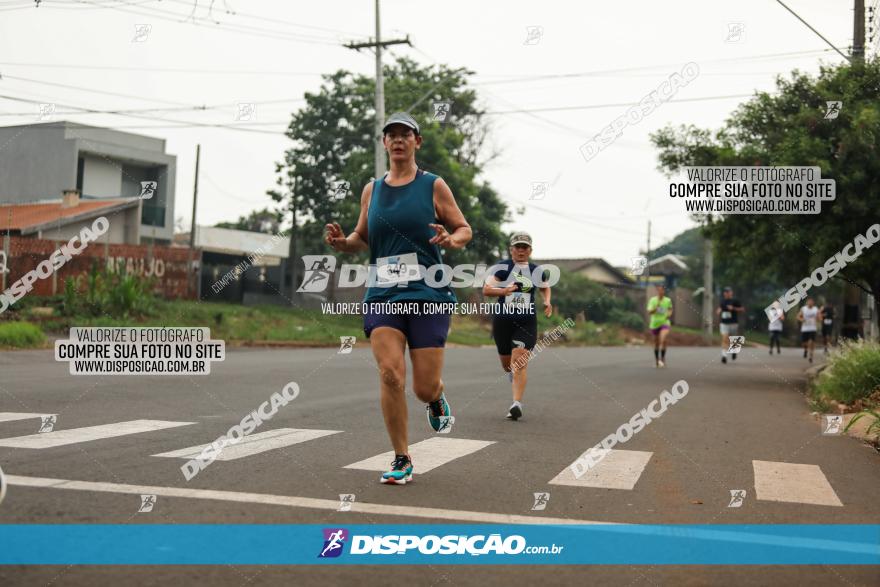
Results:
x,y
656,355
663,354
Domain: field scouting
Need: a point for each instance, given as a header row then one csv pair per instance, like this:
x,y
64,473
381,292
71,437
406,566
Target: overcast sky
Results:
x,y
271,52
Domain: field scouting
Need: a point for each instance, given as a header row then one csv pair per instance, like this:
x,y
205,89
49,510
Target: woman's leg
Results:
x,y
388,346
663,334
519,358
427,364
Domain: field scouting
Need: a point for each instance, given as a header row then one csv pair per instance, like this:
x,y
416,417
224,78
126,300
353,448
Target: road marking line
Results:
x,y
620,469
426,455
11,416
791,482
291,501
254,444
74,435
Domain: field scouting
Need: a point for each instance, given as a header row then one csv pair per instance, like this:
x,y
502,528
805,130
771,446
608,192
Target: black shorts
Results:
x,y
805,336
827,329
422,328
514,332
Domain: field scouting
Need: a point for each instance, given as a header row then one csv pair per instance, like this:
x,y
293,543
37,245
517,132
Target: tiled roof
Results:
x,y
23,216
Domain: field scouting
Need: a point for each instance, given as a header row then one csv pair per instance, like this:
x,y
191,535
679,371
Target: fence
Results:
x,y
168,265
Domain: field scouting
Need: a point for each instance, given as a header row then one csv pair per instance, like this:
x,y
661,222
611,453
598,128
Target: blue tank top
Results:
x,y
397,229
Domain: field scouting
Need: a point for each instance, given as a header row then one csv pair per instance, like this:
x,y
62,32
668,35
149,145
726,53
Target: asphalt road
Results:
x,y
737,428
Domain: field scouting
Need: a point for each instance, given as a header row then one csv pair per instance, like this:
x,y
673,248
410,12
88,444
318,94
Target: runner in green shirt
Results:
x,y
660,311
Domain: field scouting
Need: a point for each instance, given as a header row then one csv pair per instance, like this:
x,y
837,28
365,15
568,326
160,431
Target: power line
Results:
x,y
615,105
126,68
130,115
90,90
234,28
539,77
275,20
524,77
182,106
580,219
830,44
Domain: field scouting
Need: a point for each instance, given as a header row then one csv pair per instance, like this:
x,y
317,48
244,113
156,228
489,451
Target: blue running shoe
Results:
x,y
440,415
401,471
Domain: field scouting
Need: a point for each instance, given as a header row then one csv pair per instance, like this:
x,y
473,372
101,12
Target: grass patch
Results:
x,y
853,373
283,323
230,321
23,335
592,334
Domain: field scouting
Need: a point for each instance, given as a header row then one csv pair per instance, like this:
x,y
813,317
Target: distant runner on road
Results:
x,y
826,315
808,316
775,328
660,310
515,325
728,312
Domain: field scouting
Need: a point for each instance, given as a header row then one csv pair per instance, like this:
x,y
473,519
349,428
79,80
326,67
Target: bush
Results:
x,y
575,294
21,335
853,372
106,293
626,319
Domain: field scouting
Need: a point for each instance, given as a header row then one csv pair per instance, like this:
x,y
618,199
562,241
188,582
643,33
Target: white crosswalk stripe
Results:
x,y
89,433
426,455
620,469
795,483
254,443
12,416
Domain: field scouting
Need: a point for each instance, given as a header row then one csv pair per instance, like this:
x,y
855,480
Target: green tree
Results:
x,y
787,127
332,153
264,220
576,293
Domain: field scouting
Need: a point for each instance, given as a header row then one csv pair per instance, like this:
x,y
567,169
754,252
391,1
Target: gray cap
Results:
x,y
404,119
521,238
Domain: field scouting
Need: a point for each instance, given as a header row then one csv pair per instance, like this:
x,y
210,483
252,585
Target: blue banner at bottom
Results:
x,y
438,544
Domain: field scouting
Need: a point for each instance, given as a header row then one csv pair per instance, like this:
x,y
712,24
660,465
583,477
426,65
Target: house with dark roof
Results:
x,y
595,268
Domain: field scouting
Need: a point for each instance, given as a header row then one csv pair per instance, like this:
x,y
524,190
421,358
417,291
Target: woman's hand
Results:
x,y
548,309
335,237
442,238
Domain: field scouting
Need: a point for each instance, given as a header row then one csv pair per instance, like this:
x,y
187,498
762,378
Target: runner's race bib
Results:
x,y
517,299
726,315
827,321
397,269
660,311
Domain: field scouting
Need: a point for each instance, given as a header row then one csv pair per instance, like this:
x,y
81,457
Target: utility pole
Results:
x,y
707,289
377,44
192,226
858,51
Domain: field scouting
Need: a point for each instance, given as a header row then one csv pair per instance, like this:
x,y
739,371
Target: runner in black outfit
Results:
x,y
728,311
515,325
827,318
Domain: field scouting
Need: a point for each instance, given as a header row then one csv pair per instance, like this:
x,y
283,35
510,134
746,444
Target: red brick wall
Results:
x,y
167,265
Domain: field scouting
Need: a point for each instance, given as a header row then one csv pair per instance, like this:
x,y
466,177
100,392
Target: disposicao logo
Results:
x,y
334,541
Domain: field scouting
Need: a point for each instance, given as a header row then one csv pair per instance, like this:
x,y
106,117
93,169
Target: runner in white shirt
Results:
x,y
808,316
775,328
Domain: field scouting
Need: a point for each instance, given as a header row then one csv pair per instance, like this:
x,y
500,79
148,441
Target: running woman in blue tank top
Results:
x,y
405,218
